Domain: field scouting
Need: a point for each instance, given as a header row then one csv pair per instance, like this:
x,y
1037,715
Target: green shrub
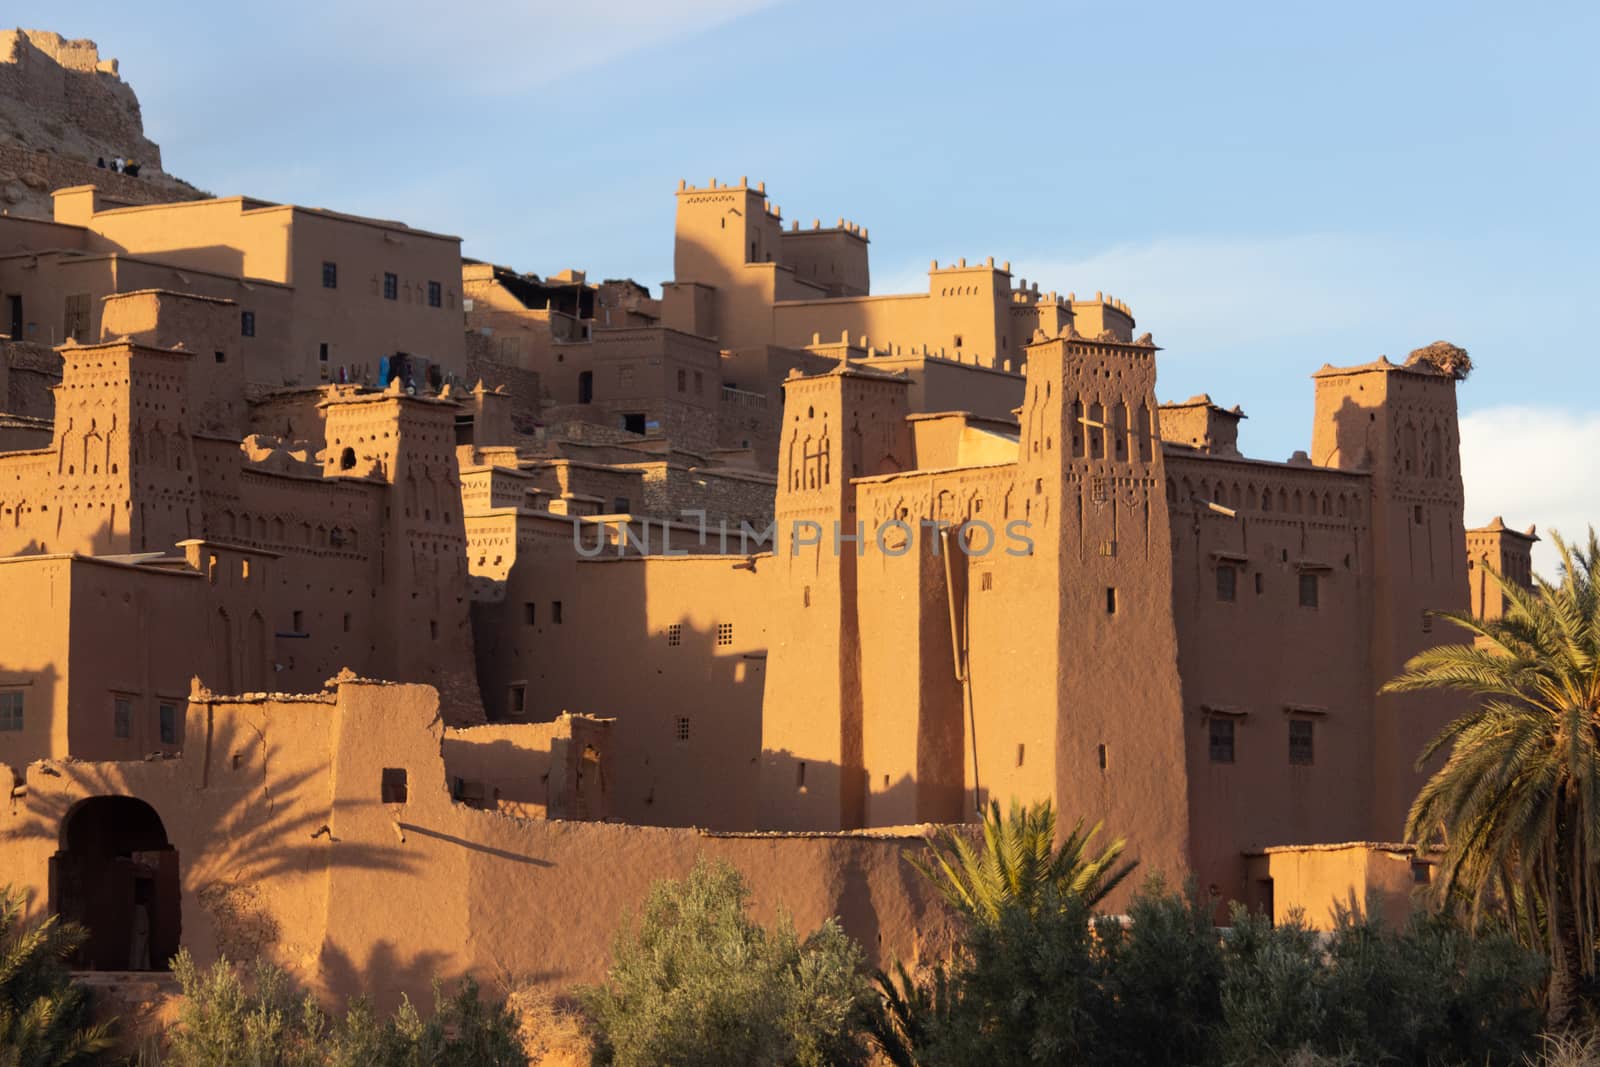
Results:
x,y
44,1015
1430,991
268,1022
694,981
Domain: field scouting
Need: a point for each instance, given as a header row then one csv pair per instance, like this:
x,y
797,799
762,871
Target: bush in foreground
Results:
x,y
695,981
268,1022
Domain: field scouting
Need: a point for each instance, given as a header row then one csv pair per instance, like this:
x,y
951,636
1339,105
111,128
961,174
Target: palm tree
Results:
x,y
1517,803
1020,864
44,1015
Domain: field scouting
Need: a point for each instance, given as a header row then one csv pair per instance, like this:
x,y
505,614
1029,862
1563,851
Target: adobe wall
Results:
x,y
1317,880
286,847
30,373
1251,654
537,770
672,647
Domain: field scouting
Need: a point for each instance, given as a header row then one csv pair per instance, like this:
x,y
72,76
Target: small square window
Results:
x,y
247,323
724,633
330,275
222,357
620,505
122,717
1302,735
394,785
1221,738
168,714
675,635
680,728
391,286
555,611
10,712
530,613
1308,590
435,294
958,340
1227,581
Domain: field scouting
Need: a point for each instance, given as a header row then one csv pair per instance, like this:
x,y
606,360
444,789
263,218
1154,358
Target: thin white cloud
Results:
x,y
1533,466
506,46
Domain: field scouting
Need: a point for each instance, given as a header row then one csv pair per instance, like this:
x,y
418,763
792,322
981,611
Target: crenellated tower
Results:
x,y
846,424
1083,705
1399,425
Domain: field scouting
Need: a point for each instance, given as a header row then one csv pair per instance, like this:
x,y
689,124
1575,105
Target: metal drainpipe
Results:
x,y
958,653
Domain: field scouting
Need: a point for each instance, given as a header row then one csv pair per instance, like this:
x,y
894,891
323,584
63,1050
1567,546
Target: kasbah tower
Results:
x,y
350,474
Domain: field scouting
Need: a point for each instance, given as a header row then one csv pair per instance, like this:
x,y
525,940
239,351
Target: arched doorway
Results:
x,y
117,875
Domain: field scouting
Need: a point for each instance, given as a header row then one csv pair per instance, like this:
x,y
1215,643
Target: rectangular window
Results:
x,y
1227,581
10,712
674,635
1022,750
1301,739
1221,740
168,715
1308,590
1111,600
724,633
435,294
299,620
1104,761
800,776
330,275
394,785
619,506
555,611
222,357
247,323
122,716
1260,584
530,613
699,383
683,381
322,352
519,698
680,728
391,286
986,582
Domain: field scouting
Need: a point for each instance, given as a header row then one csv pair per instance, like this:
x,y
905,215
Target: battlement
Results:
x,y
843,226
961,265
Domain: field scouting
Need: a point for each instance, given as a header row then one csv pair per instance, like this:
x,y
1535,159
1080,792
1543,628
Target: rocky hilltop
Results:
x,y
62,108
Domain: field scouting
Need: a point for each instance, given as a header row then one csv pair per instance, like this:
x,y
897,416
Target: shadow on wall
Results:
x,y
248,820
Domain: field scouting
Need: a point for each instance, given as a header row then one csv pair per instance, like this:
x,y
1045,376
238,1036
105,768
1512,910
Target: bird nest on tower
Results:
x,y
1443,357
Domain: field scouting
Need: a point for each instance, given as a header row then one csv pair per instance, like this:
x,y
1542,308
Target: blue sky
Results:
x,y
1270,186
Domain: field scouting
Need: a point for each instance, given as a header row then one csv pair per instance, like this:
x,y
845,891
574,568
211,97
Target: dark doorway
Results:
x,y
586,387
15,302
117,875
634,422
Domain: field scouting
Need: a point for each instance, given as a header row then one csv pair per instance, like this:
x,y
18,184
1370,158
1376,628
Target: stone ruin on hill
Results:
x,y
63,108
